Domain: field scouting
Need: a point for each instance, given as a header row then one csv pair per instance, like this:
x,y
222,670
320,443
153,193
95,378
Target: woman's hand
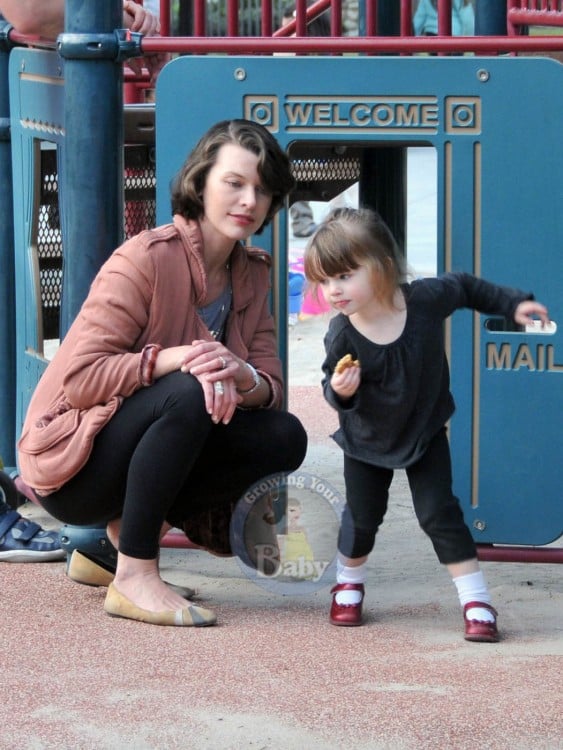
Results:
x,y
525,312
220,373
346,383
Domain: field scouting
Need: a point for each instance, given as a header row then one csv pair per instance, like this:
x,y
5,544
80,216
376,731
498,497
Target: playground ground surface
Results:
x,y
273,674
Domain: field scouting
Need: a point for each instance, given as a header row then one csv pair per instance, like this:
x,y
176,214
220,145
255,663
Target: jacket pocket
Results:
x,y
51,454
43,438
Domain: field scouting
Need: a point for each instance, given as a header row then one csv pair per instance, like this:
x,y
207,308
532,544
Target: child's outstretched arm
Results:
x,y
526,310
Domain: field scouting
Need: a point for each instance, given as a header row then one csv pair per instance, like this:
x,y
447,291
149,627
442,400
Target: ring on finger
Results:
x,y
218,387
223,362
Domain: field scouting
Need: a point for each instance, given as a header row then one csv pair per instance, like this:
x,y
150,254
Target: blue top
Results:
x,y
425,19
404,396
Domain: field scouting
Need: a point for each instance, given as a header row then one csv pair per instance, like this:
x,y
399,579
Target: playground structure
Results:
x,y
343,120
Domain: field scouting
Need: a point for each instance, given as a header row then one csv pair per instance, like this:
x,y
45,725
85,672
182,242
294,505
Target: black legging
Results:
x,y
437,509
162,458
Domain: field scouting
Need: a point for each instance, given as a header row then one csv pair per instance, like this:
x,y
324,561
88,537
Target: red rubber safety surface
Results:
x,y
273,674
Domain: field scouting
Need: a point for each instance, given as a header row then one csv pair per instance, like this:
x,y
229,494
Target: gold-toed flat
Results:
x,y
118,605
92,571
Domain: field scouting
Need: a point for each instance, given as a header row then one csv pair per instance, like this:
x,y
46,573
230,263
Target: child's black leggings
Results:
x,y
437,509
162,458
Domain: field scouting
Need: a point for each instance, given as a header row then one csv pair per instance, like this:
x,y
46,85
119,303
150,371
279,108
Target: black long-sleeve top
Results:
x,y
404,396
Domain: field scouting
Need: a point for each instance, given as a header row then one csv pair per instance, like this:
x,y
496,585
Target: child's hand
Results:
x,y
525,312
346,383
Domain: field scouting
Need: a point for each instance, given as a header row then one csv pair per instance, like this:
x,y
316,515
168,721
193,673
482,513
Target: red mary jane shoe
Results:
x,y
346,614
479,630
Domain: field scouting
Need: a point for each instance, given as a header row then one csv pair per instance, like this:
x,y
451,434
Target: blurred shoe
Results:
x,y
305,231
93,571
302,220
25,541
9,493
118,605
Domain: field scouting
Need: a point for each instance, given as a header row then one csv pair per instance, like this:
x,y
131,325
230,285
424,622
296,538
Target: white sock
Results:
x,y
473,588
349,574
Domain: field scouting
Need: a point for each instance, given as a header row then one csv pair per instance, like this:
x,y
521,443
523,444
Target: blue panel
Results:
x,y
36,108
500,181
500,172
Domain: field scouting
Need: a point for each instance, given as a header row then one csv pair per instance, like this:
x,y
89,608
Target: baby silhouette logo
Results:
x,y
284,532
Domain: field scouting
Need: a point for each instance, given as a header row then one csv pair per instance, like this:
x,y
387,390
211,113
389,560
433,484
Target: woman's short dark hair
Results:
x,y
274,166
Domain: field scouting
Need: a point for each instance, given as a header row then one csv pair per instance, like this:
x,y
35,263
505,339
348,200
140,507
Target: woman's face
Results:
x,y
235,201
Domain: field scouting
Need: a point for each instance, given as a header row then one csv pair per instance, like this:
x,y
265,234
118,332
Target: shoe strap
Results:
x,y
7,520
347,587
28,528
481,605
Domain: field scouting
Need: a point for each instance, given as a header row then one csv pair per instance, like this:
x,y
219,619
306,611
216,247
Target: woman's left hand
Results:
x,y
216,368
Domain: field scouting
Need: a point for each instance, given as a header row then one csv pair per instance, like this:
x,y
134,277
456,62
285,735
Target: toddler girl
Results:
x,y
393,399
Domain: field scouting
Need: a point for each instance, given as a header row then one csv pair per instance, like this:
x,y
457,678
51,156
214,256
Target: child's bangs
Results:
x,y
329,255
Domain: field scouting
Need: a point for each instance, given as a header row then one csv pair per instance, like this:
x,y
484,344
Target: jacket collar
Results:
x,y
192,241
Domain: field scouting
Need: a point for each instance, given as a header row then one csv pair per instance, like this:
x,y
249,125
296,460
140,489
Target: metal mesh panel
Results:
x,y
322,172
49,243
140,189
139,214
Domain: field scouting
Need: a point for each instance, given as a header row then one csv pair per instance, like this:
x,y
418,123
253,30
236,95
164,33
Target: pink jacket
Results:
x,y
146,293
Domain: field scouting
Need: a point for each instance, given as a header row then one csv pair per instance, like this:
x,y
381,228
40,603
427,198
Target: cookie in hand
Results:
x,y
345,362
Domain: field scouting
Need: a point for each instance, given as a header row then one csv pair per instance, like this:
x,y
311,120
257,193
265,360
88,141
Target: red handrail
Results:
x,y
341,45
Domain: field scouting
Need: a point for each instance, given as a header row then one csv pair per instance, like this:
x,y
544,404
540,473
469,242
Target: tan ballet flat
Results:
x,y
92,571
118,605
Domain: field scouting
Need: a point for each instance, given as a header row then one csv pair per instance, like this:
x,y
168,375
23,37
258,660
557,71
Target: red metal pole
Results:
x,y
336,18
301,18
520,17
492,553
267,22
199,18
232,17
444,17
371,17
365,45
406,18
176,539
165,17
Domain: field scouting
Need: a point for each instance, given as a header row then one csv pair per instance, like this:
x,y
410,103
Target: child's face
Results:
x,y
349,292
294,513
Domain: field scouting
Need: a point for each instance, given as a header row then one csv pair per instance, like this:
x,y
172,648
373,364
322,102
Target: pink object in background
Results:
x,y
313,304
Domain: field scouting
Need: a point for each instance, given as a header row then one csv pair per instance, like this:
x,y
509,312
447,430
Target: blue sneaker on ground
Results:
x,y
25,541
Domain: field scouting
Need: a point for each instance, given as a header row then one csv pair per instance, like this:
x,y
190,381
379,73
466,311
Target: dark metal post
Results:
x,y
388,18
383,187
7,279
383,171
91,175
490,18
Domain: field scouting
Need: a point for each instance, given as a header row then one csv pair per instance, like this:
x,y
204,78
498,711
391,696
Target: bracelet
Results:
x,y
256,379
148,361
